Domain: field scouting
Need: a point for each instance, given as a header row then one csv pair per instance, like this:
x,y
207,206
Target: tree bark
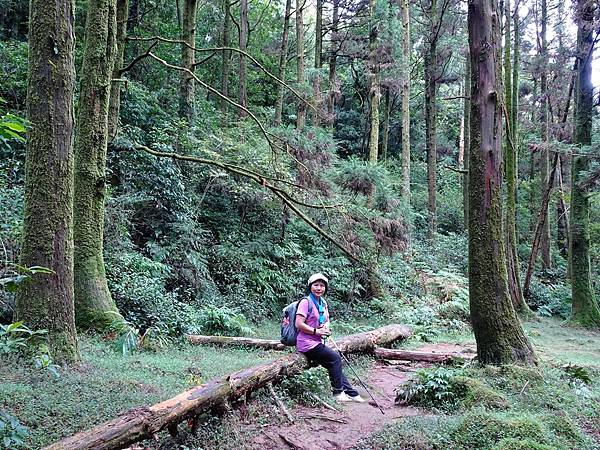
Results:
x,y
405,69
226,64
511,163
188,59
498,331
139,423
301,113
386,124
266,344
283,61
430,123
467,135
374,88
333,89
46,301
408,355
243,62
114,106
585,306
94,306
545,155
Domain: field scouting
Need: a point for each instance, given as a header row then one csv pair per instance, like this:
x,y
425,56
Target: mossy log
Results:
x,y
266,344
139,423
408,355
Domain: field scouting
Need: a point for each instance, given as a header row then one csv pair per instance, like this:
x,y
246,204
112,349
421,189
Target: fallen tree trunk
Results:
x,y
139,423
408,355
266,344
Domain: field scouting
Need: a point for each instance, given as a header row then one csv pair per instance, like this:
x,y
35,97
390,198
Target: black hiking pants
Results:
x,y
332,361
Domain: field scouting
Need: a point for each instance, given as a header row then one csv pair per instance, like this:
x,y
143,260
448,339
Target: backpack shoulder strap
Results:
x,y
310,306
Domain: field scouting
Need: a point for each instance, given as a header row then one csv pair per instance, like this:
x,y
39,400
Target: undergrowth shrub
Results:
x,y
437,388
223,321
13,435
138,287
550,299
305,386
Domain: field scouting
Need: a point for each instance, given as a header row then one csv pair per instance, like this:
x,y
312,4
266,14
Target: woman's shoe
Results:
x,y
342,397
357,399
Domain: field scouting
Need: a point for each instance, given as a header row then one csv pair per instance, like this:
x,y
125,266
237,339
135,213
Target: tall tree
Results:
x,y
301,114
333,51
115,87
467,139
585,307
226,64
46,301
498,331
283,57
544,123
188,60
405,70
511,87
374,88
244,25
93,302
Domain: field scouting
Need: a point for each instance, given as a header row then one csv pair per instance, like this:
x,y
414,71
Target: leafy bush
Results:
x,y
12,433
550,299
138,286
223,321
302,387
19,340
437,388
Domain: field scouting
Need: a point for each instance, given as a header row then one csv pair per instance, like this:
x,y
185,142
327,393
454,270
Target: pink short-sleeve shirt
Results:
x,y
306,341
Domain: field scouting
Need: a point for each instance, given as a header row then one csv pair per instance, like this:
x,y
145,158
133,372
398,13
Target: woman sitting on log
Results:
x,y
313,329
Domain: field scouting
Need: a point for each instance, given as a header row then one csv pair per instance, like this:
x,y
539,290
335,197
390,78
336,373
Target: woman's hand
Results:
x,y
323,330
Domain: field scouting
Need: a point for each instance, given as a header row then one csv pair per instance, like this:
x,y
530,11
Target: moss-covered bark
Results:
x,y
374,88
283,57
301,114
188,58
405,69
511,86
498,331
92,297
585,306
431,128
115,88
46,301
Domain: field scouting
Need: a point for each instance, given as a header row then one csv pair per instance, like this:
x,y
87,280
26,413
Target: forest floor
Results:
x,y
106,384
320,428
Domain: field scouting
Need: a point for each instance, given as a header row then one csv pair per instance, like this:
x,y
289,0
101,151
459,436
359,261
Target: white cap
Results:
x,y
317,277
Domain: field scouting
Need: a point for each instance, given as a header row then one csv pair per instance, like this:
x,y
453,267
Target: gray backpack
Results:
x,y
289,332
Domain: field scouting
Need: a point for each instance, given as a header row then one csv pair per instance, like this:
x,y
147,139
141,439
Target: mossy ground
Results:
x,y
508,408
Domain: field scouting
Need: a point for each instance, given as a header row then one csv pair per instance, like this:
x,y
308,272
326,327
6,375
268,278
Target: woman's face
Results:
x,y
318,288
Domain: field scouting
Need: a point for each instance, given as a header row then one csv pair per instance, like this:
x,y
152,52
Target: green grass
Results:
x,y
107,384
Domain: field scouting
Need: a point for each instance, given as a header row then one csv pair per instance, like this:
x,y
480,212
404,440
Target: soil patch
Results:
x,y
319,428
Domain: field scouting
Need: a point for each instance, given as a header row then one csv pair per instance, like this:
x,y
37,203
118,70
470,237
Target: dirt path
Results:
x,y
323,429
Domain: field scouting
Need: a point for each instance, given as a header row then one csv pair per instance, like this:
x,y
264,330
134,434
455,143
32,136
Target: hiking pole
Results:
x,y
356,375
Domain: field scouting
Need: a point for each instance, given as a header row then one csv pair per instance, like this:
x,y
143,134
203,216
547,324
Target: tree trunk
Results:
x,y
374,88
226,65
498,331
243,62
46,301
545,155
333,89
266,344
283,61
511,164
115,87
139,423
408,355
430,134
386,125
585,306
562,236
467,116
188,59
405,70
94,306
301,114
318,62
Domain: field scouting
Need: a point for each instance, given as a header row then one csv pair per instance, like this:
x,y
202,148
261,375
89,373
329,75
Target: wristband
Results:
x,y
314,331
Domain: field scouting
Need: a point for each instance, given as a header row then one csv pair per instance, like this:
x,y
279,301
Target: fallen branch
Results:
x,y
411,355
323,417
322,402
266,344
280,403
140,423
